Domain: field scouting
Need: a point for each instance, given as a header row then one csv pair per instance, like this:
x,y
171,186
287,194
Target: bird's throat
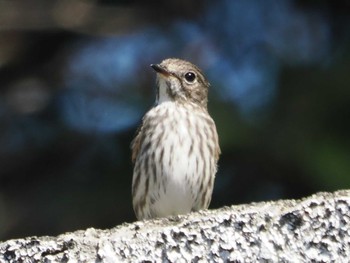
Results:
x,y
165,91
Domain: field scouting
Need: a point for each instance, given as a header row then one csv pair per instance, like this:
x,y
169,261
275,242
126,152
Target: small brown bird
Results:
x,y
176,149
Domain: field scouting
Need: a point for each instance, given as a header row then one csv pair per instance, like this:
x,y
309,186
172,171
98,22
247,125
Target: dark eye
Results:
x,y
190,77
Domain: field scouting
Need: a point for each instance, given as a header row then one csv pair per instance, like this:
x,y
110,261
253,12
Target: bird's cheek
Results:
x,y
173,85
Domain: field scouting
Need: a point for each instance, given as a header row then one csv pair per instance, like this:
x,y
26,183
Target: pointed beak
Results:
x,y
159,69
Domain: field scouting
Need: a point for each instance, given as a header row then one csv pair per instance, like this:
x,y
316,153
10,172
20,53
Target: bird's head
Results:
x,y
181,81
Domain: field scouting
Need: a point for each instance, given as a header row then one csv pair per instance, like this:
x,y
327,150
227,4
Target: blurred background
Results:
x,y
75,81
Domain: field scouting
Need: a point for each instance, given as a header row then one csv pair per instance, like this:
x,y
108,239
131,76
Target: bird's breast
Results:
x,y
181,154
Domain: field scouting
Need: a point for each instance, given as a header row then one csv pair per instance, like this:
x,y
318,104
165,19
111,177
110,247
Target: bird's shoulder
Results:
x,y
137,141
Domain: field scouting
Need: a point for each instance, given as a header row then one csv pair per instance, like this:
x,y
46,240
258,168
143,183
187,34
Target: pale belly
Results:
x,y
184,168
178,167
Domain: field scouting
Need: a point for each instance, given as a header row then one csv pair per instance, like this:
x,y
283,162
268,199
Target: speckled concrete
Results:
x,y
315,229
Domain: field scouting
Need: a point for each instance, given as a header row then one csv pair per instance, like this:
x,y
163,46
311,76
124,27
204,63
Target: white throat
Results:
x,y
163,95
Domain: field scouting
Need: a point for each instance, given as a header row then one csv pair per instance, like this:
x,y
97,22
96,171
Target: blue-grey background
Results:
x,y
75,82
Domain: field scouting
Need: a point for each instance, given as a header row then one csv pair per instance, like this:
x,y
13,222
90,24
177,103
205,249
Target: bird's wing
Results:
x,y
217,153
136,144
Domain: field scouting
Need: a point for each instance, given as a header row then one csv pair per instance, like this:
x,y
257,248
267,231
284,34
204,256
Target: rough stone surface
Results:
x,y
315,229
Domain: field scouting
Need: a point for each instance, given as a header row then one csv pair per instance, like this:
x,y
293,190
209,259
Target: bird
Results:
x,y
176,148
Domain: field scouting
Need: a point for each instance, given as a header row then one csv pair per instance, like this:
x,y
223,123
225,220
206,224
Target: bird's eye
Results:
x,y
190,77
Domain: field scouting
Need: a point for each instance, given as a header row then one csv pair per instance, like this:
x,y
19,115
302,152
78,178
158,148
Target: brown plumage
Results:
x,y
176,149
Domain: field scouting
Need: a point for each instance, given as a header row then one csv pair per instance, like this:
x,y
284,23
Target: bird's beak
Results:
x,y
159,69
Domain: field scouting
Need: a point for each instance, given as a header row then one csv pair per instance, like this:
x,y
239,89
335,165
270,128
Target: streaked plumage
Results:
x,y
176,150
